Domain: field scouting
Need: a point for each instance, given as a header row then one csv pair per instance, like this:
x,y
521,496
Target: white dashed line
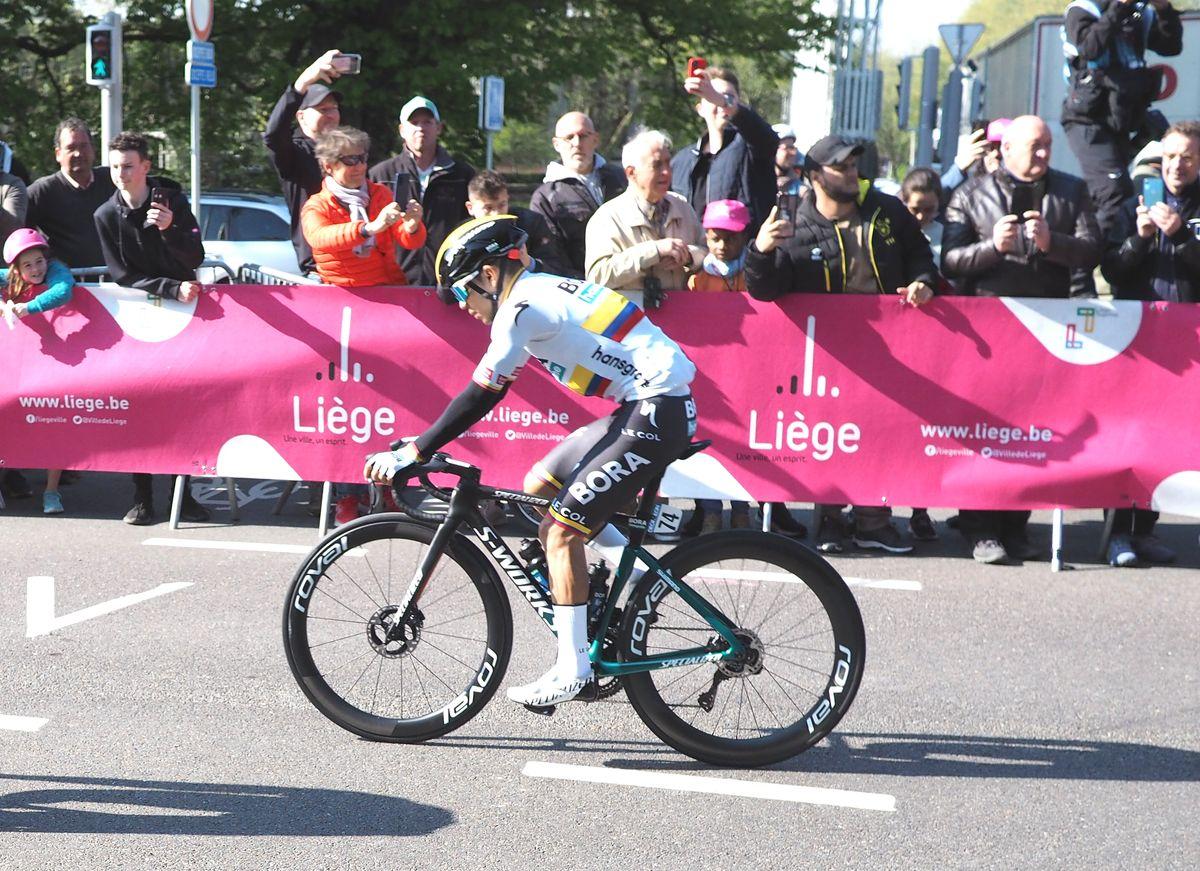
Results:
x,y
40,618
784,578
21,724
254,546
871,801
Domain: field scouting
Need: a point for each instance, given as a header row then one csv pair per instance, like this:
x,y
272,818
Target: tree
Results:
x,y
621,60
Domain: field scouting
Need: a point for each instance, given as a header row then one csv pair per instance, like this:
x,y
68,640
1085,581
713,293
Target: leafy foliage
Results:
x,y
619,60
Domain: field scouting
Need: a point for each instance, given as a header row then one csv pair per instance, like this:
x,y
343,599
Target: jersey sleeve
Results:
x,y
516,325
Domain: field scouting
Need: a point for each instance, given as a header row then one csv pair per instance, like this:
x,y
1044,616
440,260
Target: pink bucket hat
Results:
x,y
20,241
726,215
995,130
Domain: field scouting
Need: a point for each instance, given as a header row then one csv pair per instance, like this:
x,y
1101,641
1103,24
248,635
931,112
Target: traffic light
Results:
x,y
904,93
100,55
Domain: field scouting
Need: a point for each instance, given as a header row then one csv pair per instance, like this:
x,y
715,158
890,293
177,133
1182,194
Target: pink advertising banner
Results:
x,y
970,403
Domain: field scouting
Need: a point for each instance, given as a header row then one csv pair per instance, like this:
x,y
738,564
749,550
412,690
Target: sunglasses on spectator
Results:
x,y
352,159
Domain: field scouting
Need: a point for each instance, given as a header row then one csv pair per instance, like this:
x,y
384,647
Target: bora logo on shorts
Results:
x,y
602,479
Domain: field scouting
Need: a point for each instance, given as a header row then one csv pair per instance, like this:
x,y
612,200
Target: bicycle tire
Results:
x,y
338,584
731,569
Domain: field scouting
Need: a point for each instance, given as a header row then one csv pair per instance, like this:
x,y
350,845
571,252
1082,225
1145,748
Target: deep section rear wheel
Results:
x,y
374,674
805,647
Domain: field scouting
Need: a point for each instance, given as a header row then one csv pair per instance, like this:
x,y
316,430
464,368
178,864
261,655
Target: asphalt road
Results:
x,y
1014,717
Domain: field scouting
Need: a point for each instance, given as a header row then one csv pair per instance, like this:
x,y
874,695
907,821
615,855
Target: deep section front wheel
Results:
x,y
374,673
804,642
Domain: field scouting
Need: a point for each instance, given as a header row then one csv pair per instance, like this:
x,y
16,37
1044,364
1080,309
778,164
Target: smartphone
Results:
x,y
1152,192
1023,200
405,188
348,64
787,212
694,65
160,197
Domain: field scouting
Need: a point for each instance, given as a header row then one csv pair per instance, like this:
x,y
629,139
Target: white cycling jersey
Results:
x,y
589,338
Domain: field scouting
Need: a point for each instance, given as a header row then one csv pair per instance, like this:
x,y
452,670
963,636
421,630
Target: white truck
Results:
x,y
1023,75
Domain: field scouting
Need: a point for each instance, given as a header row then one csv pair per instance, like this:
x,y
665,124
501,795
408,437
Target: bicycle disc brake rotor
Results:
x,y
393,638
748,663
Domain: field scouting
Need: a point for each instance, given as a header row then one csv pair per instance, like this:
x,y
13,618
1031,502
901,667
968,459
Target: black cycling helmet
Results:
x,y
469,246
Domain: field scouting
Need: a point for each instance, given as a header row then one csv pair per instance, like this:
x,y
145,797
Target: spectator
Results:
x,y
1049,251
35,283
62,204
788,180
150,241
972,148
1110,88
575,186
647,238
14,203
487,194
921,193
1147,164
424,171
353,226
992,160
1154,254
867,242
735,158
316,109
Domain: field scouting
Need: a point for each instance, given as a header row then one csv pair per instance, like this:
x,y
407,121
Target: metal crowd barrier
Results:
x,y
252,273
96,274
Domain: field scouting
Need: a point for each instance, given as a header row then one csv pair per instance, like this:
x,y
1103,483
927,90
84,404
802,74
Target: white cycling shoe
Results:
x,y
550,689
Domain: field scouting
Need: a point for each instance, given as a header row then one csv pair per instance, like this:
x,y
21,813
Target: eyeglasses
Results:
x,y
460,292
352,159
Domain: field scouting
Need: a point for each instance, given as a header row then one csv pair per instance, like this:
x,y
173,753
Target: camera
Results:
x,y
652,292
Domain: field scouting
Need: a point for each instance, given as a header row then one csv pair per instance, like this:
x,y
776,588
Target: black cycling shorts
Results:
x,y
599,468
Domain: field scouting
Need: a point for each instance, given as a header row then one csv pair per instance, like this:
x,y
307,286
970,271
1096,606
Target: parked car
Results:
x,y
246,227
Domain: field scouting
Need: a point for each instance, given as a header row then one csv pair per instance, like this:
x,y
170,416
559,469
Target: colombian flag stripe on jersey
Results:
x,y
587,382
613,317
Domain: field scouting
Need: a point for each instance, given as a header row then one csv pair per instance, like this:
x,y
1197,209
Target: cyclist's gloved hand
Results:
x,y
384,466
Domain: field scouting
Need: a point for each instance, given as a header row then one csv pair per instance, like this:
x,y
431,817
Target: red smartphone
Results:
x,y
694,65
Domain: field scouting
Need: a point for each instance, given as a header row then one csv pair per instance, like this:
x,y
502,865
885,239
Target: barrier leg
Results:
x,y
176,502
323,523
231,488
1056,540
766,513
288,490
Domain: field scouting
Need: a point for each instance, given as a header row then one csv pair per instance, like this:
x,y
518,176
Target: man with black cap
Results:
x,y
316,109
845,237
424,171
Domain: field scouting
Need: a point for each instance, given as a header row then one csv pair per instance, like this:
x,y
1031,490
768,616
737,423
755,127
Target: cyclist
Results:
x,y
596,343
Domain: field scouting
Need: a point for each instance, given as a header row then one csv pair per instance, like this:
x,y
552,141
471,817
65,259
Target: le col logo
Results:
x,y
359,422
602,479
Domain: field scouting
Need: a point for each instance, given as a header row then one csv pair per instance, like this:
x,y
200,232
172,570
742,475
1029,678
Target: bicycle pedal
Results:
x,y
544,710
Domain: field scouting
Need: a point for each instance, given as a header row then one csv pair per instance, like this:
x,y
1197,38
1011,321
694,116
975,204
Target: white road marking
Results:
x,y
871,801
256,546
21,724
785,578
39,605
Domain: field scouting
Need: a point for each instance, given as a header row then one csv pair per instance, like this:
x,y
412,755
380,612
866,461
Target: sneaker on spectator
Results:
x,y
783,523
192,511
988,551
15,486
51,503
920,525
1121,552
887,538
345,510
739,519
695,524
830,536
1151,549
711,524
141,514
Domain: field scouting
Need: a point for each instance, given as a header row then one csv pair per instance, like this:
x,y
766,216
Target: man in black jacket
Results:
x,y
1048,250
846,237
1154,254
1110,88
574,186
735,158
315,109
425,172
150,241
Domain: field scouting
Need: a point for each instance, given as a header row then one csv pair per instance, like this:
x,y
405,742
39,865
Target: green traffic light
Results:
x,y
99,68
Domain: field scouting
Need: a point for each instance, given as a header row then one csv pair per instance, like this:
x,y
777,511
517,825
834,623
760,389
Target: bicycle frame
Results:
x,y
464,501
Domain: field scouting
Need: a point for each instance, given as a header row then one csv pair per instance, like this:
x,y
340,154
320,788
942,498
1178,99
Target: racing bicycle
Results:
x,y
738,648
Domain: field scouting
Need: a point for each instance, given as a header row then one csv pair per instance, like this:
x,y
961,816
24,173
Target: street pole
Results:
x,y
489,149
951,117
196,153
929,86
111,107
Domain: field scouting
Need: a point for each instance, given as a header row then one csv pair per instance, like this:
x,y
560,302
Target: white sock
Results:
x,y
571,623
609,543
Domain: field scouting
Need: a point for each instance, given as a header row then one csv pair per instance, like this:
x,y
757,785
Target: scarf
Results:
x,y
724,268
356,201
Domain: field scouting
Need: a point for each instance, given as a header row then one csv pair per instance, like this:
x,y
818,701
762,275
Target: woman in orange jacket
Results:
x,y
353,225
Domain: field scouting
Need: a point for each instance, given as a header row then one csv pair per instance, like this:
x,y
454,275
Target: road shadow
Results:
x,y
158,807
973,756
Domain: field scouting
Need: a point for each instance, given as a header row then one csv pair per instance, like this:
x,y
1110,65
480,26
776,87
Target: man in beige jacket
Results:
x,y
647,238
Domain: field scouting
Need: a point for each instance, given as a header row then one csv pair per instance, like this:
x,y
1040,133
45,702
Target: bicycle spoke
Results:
x,y
338,566
333,640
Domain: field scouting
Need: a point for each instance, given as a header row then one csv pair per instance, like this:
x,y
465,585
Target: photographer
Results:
x,y
647,238
1110,88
